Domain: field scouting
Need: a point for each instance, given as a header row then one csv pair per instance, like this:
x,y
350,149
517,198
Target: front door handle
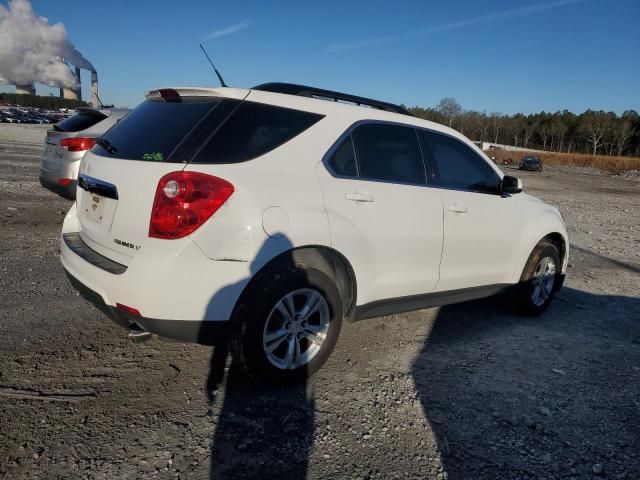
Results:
x,y
458,208
360,197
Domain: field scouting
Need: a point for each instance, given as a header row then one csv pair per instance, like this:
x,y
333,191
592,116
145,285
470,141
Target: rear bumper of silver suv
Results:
x,y
68,191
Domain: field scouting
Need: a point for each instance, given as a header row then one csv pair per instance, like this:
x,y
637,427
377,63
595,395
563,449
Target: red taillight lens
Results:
x,y
130,310
65,181
77,144
184,201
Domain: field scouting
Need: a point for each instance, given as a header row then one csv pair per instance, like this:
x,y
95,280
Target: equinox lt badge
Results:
x,y
126,244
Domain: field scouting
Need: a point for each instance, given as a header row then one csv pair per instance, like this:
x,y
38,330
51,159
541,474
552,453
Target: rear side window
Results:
x,y
253,130
458,167
154,129
343,160
389,152
80,122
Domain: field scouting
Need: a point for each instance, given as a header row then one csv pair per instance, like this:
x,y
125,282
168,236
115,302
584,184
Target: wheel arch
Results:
x,y
321,257
550,227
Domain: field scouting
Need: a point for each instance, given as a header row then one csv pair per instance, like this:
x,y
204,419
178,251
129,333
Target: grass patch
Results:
x,y
599,162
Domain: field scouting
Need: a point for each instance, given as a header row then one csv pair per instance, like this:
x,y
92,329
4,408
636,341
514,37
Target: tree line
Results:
x,y
595,132
37,101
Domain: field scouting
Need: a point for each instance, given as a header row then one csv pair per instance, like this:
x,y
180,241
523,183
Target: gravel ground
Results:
x,y
462,392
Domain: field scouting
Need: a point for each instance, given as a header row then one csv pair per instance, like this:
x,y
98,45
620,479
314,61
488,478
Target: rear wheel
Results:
x,y
287,326
540,279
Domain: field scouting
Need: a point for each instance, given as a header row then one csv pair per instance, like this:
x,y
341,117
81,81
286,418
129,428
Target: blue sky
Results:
x,y
498,55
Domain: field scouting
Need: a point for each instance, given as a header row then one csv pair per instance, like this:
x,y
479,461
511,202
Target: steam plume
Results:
x,y
32,50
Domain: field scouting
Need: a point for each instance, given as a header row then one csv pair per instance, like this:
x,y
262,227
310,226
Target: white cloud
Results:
x,y
229,30
491,17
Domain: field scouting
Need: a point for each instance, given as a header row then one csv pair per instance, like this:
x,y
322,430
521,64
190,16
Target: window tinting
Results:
x,y
253,130
343,161
389,152
80,122
154,128
458,166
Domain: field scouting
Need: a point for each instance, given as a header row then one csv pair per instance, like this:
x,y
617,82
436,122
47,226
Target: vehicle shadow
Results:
x,y
261,431
516,397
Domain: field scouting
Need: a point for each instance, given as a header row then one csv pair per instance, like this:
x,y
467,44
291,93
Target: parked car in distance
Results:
x,y
67,142
263,217
531,163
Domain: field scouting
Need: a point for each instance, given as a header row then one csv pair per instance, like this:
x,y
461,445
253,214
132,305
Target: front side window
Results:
x,y
390,153
458,167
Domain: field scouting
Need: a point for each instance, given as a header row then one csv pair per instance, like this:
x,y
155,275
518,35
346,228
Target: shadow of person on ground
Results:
x,y
516,397
261,432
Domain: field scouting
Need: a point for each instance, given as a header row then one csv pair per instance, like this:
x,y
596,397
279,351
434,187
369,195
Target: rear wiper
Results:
x,y
106,145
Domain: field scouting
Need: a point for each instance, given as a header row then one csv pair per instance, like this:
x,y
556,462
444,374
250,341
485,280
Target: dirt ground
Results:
x,y
462,392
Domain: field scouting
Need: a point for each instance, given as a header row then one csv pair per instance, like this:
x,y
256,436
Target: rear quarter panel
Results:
x,y
277,203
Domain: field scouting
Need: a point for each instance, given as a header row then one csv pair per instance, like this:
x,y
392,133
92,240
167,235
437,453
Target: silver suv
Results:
x,y
66,144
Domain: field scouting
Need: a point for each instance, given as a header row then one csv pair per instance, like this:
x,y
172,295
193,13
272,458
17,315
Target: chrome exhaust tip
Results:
x,y
137,335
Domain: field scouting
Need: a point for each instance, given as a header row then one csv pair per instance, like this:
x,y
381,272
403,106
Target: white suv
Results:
x,y
263,217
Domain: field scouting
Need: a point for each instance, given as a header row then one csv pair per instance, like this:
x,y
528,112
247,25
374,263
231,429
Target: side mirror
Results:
x,y
510,185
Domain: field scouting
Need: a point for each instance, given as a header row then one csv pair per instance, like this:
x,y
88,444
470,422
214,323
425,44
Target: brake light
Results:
x,y
184,201
77,144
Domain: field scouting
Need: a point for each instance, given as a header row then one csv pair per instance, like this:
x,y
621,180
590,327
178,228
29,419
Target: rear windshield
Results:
x,y
203,130
154,129
80,122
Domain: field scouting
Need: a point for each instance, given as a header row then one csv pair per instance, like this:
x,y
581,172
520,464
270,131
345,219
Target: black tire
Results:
x,y
524,292
262,295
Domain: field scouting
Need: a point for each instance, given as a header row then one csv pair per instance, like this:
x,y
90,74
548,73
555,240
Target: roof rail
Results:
x,y
312,92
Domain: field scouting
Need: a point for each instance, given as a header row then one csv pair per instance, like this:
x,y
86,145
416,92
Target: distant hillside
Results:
x,y
50,103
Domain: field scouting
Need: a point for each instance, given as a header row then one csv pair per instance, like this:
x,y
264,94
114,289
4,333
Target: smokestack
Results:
x,y
69,93
26,89
94,90
78,89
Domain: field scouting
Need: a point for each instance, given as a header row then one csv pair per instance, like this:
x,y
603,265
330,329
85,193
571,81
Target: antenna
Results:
x,y
222,84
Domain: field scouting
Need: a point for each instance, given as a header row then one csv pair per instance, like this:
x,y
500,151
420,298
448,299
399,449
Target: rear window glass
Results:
x,y
390,153
154,129
253,130
343,161
80,122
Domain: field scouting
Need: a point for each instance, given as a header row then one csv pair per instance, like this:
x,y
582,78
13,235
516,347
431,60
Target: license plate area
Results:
x,y
94,209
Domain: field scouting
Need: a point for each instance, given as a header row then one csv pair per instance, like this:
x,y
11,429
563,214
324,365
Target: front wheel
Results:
x,y
540,279
288,325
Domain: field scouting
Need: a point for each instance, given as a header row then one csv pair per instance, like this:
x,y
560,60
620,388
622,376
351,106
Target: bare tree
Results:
x,y
622,134
449,108
528,127
558,132
496,125
595,125
483,126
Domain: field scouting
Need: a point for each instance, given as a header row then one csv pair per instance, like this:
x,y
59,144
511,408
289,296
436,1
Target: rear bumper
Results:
x,y
68,192
179,292
204,332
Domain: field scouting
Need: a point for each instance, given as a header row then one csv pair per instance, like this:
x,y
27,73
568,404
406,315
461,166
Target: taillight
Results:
x,y
65,181
184,201
77,144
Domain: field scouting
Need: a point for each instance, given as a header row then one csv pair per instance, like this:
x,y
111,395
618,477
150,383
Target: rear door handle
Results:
x,y
458,208
360,197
